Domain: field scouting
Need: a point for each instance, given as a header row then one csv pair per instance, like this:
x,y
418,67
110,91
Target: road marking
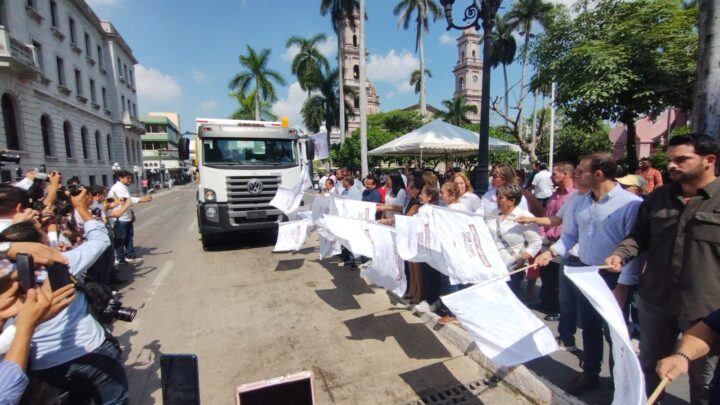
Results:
x,y
167,267
148,208
192,226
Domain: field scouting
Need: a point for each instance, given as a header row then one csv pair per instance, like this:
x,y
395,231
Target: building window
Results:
x,y
67,134
12,137
39,53
84,141
356,72
60,70
463,56
134,110
461,84
104,97
129,110
71,25
125,70
127,149
98,145
78,82
105,180
53,13
122,103
92,180
356,102
93,97
130,76
47,138
355,40
100,55
87,45
109,146
473,54
119,67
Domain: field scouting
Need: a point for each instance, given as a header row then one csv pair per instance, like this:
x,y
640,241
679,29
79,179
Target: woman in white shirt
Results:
x,y
516,243
471,201
450,194
503,174
394,198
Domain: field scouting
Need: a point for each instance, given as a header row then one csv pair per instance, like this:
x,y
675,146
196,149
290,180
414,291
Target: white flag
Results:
x,y
320,207
321,145
351,234
286,200
467,246
328,247
355,209
627,374
501,326
387,269
304,182
413,238
291,235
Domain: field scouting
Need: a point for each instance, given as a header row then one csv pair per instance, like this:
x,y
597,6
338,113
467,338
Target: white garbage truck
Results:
x,y
240,164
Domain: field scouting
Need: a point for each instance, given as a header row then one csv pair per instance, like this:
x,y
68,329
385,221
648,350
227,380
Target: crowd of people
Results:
x,y
659,245
61,247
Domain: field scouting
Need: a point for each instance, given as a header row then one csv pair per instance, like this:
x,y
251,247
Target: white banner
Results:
x,y
501,326
627,374
467,246
291,235
355,209
286,199
320,207
350,233
412,237
387,269
328,247
322,151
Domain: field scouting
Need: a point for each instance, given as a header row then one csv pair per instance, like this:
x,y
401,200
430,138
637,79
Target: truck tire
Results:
x,y
206,241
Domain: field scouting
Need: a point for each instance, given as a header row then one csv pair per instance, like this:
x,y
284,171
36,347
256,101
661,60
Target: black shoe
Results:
x,y
552,317
583,383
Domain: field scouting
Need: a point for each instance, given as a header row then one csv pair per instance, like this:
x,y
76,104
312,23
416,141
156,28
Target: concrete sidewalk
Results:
x,y
541,380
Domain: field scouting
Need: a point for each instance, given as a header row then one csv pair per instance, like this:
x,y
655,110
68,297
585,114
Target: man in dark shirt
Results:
x,y
371,194
678,225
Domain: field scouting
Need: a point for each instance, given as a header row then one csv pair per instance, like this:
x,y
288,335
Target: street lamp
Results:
x,y
477,11
162,175
115,168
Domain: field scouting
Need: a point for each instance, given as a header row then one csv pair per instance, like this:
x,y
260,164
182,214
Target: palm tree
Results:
x,y
520,18
340,10
415,78
457,110
503,53
246,110
423,9
324,107
257,72
309,61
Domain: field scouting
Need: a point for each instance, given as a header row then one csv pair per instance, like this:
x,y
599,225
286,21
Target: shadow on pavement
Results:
x,y
240,241
291,264
430,380
348,283
143,371
415,339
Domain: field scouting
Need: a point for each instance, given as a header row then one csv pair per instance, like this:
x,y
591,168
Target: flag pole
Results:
x,y
657,391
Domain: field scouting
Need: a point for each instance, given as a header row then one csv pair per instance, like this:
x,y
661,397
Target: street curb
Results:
x,y
521,379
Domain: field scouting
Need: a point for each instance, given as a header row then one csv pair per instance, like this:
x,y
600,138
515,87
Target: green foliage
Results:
x,y
396,121
572,143
457,110
309,62
257,72
424,9
246,109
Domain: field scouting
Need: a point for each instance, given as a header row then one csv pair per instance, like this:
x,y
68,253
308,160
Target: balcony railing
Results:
x,y
17,56
133,123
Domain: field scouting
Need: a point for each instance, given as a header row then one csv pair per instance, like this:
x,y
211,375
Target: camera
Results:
x,y
10,157
115,310
105,306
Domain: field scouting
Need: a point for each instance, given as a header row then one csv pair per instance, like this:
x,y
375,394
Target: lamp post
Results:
x,y
115,168
479,11
162,175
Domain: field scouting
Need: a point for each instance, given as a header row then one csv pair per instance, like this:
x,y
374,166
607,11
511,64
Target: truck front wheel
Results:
x,y
206,241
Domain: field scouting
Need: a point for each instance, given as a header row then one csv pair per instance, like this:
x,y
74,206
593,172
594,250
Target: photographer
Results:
x,y
72,351
124,229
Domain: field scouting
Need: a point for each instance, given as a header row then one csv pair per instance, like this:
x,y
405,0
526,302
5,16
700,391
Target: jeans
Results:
x,y
98,375
124,232
567,324
660,334
594,328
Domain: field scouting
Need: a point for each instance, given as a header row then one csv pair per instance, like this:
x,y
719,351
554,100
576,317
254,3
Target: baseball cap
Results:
x,y
632,180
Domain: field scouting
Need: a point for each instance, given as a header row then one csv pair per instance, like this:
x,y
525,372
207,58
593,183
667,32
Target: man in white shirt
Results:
x,y
125,251
542,184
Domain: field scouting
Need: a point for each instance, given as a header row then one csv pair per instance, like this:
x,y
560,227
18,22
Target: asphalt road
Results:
x,y
250,314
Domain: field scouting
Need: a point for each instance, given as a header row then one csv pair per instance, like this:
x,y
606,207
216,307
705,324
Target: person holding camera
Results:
x,y
124,229
72,351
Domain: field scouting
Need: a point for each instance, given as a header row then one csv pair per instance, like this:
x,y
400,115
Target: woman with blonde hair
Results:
x,y
450,194
503,174
471,201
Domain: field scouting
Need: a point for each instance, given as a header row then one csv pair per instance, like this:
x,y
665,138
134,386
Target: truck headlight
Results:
x,y
209,195
211,212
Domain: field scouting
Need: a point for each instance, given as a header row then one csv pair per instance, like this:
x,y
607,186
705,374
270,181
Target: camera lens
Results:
x,y
126,314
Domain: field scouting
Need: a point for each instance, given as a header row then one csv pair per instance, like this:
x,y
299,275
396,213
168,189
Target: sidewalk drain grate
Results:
x,y
459,394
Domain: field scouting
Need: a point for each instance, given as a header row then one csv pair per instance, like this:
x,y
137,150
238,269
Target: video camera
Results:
x,y
9,156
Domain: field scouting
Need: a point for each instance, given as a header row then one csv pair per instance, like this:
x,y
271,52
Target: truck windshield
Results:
x,y
249,151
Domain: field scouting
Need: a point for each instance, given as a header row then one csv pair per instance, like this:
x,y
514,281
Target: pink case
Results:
x,y
258,385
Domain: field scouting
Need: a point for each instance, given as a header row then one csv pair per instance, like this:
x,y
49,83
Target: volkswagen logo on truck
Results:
x,y
255,186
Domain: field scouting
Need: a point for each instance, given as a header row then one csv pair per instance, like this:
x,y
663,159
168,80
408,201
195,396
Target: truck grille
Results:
x,y
240,199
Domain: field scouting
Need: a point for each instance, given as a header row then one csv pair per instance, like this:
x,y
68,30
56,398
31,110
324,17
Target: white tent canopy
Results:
x,y
438,138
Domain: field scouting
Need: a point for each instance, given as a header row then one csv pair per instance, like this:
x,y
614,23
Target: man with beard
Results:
x,y
678,225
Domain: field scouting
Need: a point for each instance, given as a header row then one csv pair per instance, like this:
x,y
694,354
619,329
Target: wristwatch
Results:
x,y
5,248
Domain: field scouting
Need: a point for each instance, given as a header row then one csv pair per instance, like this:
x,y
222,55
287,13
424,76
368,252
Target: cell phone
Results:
x,y
26,271
110,200
296,389
59,275
179,379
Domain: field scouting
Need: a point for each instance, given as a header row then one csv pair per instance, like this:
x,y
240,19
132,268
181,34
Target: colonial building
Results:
x,y
351,78
67,88
468,72
160,147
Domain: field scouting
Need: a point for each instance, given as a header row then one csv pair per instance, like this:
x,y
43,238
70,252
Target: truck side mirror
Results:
x,y
310,150
184,149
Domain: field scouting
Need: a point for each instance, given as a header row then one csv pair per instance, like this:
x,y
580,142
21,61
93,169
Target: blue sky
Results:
x,y
188,52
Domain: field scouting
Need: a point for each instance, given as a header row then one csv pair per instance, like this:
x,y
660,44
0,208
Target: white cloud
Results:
x,y
328,48
199,76
290,106
208,105
401,88
447,39
102,3
393,67
156,88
